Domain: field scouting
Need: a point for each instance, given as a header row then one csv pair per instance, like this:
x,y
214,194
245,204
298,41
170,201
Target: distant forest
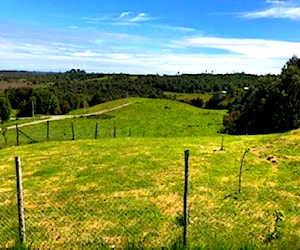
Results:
x,y
59,93
255,104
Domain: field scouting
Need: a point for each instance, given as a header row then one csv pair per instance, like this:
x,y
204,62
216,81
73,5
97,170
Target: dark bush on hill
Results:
x,y
271,106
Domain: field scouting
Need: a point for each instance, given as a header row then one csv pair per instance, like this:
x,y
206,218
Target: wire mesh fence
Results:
x,y
8,218
80,220
91,205
75,216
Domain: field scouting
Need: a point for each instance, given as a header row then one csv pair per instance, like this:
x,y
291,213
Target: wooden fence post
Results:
x,y
48,131
73,133
185,195
222,142
96,131
17,131
20,200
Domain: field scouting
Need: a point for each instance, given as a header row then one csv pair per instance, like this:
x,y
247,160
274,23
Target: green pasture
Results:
x,y
127,190
87,193
103,106
187,97
142,118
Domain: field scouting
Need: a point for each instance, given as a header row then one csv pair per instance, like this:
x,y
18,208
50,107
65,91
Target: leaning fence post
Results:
x,y
17,131
185,195
20,200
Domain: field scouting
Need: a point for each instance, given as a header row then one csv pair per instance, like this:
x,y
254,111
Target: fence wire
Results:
x,y
76,216
87,128
81,221
8,218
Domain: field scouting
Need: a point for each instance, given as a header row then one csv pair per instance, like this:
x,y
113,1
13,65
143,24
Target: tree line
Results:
x,y
59,93
255,104
272,105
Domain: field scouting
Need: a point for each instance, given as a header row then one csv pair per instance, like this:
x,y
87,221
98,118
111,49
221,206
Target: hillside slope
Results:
x,y
142,118
111,191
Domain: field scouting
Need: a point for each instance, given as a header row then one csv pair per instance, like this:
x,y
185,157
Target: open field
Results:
x,y
113,191
187,97
143,118
103,106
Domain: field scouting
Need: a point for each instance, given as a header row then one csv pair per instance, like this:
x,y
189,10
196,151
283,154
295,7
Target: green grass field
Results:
x,y
187,97
114,191
143,118
103,106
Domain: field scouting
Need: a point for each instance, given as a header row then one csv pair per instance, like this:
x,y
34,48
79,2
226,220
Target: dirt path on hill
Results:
x,y
62,117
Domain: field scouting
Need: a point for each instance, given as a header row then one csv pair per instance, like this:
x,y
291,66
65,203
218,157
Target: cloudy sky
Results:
x,y
149,36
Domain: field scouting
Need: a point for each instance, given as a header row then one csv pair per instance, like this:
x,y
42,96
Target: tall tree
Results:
x,y
288,112
272,106
5,109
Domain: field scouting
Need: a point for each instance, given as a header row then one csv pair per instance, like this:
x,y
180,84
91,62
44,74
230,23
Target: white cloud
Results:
x,y
247,55
86,53
129,18
277,9
125,18
99,19
275,2
174,28
125,14
251,48
141,17
276,12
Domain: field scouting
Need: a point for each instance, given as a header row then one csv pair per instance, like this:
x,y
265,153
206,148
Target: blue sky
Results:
x,y
143,36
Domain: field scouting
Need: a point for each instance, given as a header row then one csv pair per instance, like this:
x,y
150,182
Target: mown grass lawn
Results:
x,y
114,190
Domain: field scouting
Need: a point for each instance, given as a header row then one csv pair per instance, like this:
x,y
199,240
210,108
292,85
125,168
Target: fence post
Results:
x,y
185,195
48,122
222,142
115,132
17,131
73,133
96,131
20,200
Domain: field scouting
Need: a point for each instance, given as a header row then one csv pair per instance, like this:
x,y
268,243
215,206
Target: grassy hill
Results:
x,y
114,191
143,118
84,193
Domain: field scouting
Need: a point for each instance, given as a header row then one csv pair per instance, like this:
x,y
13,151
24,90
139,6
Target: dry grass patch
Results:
x,y
289,195
135,193
202,203
170,204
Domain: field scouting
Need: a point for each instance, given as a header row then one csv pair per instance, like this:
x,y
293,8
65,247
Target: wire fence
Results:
x,y
74,129
104,204
84,216
96,127
8,218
